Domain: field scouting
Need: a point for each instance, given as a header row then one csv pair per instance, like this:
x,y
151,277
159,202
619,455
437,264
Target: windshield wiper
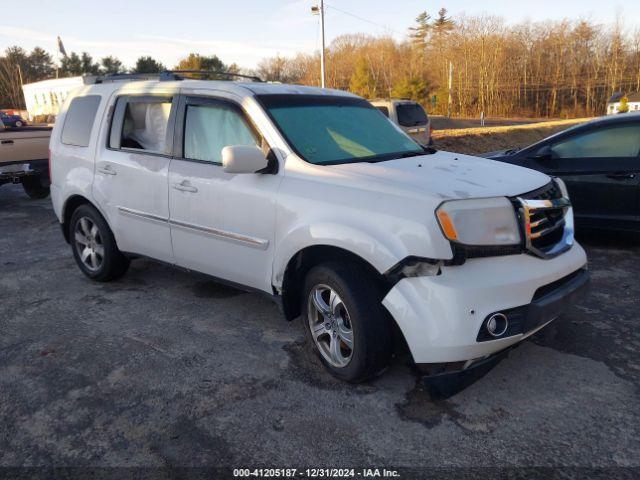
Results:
x,y
411,154
429,150
396,156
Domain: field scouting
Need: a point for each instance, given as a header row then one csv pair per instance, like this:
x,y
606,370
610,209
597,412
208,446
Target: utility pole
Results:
x,y
319,10
449,105
20,75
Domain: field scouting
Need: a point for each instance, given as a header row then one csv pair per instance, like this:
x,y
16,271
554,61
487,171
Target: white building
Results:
x,y
43,99
633,100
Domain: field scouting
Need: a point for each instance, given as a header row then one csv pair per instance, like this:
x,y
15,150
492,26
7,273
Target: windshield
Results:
x,y
411,115
333,129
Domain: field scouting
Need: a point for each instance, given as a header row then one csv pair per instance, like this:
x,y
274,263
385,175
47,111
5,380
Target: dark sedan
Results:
x,y
9,121
600,163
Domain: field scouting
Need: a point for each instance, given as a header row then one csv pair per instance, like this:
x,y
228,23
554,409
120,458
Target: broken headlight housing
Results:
x,y
479,222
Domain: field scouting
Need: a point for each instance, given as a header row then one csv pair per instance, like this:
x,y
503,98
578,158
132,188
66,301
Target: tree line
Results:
x,y
545,69
18,66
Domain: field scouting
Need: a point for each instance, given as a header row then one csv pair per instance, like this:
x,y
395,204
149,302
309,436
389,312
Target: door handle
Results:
x,y
185,186
107,170
6,142
621,176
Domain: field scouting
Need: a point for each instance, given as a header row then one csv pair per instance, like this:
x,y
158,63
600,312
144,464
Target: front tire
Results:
x,y
94,247
345,321
19,124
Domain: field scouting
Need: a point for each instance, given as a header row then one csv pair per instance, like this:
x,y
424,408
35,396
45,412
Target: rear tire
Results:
x,y
33,187
94,246
345,321
19,124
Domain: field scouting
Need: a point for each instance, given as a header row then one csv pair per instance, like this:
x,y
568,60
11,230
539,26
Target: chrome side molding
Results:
x,y
254,242
246,240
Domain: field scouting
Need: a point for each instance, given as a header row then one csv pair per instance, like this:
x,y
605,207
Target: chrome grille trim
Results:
x,y
530,208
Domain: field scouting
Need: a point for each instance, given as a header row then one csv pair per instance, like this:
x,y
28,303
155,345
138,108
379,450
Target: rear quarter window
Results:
x,y
79,120
411,115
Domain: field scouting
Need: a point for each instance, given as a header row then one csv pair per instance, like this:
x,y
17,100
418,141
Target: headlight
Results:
x,y
561,186
479,222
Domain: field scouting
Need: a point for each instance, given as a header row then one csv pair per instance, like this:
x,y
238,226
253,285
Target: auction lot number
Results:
x,y
315,473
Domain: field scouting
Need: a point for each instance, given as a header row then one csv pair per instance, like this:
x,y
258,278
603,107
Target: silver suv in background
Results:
x,y
409,116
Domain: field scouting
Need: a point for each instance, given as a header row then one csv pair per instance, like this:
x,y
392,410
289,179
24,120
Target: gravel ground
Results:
x,y
166,368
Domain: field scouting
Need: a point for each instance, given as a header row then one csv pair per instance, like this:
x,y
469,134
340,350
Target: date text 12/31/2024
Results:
x,y
315,473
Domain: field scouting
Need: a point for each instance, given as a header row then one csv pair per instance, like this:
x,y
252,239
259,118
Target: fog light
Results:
x,y
497,324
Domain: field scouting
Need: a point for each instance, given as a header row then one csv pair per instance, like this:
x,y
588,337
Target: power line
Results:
x,y
379,25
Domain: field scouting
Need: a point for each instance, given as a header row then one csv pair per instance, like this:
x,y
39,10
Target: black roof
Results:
x,y
631,97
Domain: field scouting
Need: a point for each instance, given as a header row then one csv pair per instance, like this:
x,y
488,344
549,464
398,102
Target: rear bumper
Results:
x,y
441,316
13,172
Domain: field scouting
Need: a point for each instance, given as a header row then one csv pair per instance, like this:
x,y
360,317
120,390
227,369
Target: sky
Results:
x,y
246,31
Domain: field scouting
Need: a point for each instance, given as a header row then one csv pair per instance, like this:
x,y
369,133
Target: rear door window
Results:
x,y
79,120
614,142
411,114
140,123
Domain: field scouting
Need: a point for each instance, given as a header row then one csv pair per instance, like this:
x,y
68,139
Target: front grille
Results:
x,y
543,213
547,192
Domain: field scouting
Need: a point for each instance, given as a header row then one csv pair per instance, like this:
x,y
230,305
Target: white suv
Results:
x,y
313,197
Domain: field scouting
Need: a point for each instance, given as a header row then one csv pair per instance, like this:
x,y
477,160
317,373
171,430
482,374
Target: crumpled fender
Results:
x,y
379,248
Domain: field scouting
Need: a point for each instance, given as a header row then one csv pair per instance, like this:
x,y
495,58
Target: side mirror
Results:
x,y
544,153
243,159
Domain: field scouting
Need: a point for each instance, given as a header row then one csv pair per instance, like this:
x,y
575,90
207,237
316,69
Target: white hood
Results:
x,y
449,175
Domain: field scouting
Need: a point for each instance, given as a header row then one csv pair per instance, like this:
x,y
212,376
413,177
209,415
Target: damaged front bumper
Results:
x,y
441,317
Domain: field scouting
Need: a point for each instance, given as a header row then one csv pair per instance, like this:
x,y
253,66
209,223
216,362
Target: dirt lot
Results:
x,y
490,138
440,122
165,368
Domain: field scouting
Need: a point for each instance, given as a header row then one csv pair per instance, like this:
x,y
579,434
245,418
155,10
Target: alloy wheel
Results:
x,y
330,325
88,243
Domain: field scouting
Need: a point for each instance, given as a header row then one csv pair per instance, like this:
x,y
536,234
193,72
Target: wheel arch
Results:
x,y
70,206
304,260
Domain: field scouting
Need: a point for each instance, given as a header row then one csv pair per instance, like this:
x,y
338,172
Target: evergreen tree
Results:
x,y
443,24
111,65
40,66
87,64
362,82
413,88
148,65
71,65
419,34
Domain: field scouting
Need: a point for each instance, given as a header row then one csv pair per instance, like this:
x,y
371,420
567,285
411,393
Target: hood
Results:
x,y
448,175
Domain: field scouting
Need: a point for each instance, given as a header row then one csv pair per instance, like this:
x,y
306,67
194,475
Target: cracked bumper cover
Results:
x,y
440,316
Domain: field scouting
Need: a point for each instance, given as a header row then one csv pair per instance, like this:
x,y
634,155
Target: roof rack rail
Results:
x,y
165,76
216,72
119,77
